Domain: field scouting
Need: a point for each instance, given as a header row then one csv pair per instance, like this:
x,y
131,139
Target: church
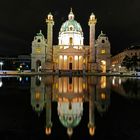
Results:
x,y
71,54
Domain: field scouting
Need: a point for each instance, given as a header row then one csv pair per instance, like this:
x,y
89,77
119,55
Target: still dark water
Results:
x,y
97,108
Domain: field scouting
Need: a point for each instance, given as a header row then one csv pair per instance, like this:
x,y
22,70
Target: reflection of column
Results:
x,y
75,84
78,65
61,62
91,124
65,84
103,81
60,85
80,84
48,110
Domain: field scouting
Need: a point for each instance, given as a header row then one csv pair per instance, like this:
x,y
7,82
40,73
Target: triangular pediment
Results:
x,y
71,50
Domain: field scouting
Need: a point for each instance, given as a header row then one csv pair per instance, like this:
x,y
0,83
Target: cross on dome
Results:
x,y
71,15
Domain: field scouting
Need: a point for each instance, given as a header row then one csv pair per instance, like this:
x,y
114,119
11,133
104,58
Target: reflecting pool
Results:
x,y
52,107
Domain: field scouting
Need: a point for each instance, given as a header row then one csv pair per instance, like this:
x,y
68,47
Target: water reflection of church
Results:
x,y
70,93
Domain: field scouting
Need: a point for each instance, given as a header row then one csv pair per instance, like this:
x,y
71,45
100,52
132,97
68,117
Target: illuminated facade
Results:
x,y
70,54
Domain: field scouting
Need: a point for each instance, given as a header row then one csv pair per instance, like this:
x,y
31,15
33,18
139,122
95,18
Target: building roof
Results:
x,y
70,120
40,33
102,34
134,47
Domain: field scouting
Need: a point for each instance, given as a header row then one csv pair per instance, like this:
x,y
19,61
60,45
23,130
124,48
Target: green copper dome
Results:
x,y
71,25
70,121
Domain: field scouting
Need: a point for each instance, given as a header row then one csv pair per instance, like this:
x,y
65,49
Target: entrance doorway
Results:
x,y
70,66
103,66
38,65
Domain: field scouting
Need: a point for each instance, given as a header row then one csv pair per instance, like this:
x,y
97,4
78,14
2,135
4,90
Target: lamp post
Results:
x,y
1,64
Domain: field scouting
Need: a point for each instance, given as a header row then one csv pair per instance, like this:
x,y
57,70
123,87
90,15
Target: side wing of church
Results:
x,y
70,54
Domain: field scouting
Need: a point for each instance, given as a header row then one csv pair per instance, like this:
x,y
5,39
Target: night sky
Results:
x,y
20,20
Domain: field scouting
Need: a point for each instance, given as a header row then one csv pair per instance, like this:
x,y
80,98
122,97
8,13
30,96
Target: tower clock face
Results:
x,y
38,49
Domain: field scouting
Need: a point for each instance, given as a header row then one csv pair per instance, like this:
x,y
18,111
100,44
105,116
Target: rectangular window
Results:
x,y
102,51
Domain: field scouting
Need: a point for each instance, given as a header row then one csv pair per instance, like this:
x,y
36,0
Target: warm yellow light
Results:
x,y
48,131
91,131
102,51
56,85
103,65
38,50
103,81
92,16
37,95
80,57
76,57
84,85
103,96
84,61
76,47
61,47
65,57
50,17
60,56
103,62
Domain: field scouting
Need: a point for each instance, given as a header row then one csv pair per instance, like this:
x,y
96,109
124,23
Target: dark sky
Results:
x,y
20,20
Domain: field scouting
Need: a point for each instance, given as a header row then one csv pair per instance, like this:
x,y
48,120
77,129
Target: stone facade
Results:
x,y
70,54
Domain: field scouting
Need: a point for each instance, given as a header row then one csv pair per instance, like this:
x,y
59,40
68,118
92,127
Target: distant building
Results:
x,y
70,54
117,59
14,63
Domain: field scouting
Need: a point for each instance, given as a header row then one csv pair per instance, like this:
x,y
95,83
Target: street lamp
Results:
x,y
1,64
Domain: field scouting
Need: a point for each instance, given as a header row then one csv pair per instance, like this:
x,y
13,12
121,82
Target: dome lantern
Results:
x,y
71,15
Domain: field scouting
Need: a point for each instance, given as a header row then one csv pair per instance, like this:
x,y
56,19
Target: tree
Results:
x,y
134,61
130,62
126,62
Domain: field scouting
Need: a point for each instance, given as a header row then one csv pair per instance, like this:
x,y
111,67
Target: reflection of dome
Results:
x,y
70,113
70,121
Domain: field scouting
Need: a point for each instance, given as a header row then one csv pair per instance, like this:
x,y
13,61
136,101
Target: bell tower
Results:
x,y
92,23
49,50
103,54
38,54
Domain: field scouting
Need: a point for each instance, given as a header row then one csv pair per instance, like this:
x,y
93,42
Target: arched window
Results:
x,y
38,40
71,41
103,41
